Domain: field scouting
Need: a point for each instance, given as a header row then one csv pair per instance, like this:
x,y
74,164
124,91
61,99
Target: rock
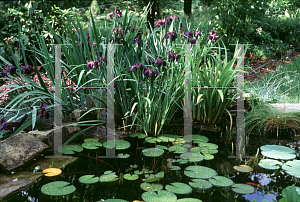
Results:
x,y
25,178
77,113
47,137
19,150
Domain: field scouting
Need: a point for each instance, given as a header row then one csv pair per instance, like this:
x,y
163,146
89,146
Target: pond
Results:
x,y
266,184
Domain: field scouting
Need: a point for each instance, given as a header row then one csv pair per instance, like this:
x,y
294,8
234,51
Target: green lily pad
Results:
x,y
152,140
182,161
88,179
243,168
138,135
178,149
242,189
154,178
151,187
192,157
114,200
58,188
147,171
201,184
196,138
284,191
131,177
200,172
119,144
69,149
91,145
161,147
160,196
174,167
122,156
179,188
109,172
277,148
153,152
270,164
208,145
108,178
220,181
167,137
292,168
90,140
278,155
208,157
137,172
188,200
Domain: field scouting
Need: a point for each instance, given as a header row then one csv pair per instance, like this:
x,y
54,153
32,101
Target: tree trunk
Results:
x,y
151,13
187,7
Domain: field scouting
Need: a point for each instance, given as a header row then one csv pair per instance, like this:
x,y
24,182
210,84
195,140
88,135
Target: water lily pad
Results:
x,y
200,172
287,188
88,179
114,200
208,157
151,187
292,168
58,188
147,171
160,196
108,178
188,200
201,184
167,137
179,188
152,140
277,148
50,172
137,172
242,189
161,147
91,145
122,156
192,156
153,152
118,144
90,140
109,172
131,177
154,178
174,167
208,145
278,155
178,149
270,164
220,181
69,149
182,161
138,135
243,168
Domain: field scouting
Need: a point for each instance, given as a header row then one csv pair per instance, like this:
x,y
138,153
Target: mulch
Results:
x,y
272,66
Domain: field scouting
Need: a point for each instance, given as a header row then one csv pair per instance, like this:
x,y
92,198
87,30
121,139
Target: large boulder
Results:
x,y
19,150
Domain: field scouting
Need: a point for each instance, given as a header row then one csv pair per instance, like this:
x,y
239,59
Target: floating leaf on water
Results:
x,y
109,172
208,157
69,149
212,151
108,178
146,170
179,188
154,178
167,137
196,138
174,167
160,196
270,164
161,147
284,191
138,135
277,148
91,145
133,166
243,168
188,200
151,186
200,172
220,181
178,149
182,161
292,168
208,145
50,172
201,184
90,140
192,157
278,155
153,152
122,156
114,200
138,172
131,177
242,189
88,179
117,144
58,188
152,140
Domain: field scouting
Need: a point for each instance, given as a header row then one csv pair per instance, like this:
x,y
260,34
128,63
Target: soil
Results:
x,y
272,66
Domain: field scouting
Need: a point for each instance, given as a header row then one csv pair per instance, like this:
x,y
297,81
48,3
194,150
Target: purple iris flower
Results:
x,y
172,34
180,26
159,62
87,37
112,14
212,36
9,68
8,126
172,56
43,111
137,39
118,30
198,33
136,66
101,58
148,72
193,41
90,64
27,69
